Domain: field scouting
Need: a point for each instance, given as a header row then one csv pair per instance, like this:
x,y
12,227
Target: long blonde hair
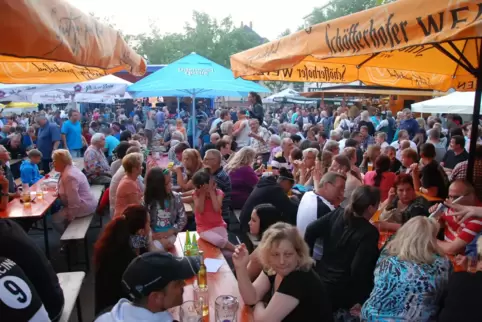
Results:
x,y
195,157
274,235
244,157
416,241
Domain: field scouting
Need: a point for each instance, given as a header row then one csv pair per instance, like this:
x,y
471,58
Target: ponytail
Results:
x,y
382,164
361,198
378,177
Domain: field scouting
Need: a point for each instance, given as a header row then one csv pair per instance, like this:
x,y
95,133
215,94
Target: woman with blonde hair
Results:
x,y
411,276
243,177
129,192
191,163
287,265
73,189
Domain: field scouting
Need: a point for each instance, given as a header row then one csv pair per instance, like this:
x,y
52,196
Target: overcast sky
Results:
x,y
269,17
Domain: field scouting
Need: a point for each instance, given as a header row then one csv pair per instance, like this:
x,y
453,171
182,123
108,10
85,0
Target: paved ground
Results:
x,y
58,261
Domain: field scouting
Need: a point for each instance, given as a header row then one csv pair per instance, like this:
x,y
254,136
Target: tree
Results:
x,y
284,33
339,8
276,86
215,40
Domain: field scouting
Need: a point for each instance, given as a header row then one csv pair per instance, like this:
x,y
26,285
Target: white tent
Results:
x,y
106,85
455,103
279,96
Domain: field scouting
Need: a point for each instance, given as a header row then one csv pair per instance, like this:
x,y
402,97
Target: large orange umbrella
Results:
x,y
50,41
432,44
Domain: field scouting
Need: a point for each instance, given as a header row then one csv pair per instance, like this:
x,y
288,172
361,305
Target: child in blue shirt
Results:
x,y
29,172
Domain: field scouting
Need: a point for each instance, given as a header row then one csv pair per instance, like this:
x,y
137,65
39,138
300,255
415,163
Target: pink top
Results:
x,y
388,180
128,193
209,219
74,192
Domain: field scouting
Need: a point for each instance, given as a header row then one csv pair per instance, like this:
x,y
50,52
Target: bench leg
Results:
x,y
79,309
67,253
46,237
86,250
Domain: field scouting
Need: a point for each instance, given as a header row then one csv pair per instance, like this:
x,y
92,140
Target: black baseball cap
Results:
x,y
151,272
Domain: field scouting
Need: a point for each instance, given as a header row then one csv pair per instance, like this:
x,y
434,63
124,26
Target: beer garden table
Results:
x,y
223,282
38,209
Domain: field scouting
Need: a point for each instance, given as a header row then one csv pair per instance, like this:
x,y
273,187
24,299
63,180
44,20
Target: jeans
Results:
x,y
76,153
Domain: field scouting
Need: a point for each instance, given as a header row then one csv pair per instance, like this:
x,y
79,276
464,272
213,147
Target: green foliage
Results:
x,y
339,8
215,40
276,86
284,33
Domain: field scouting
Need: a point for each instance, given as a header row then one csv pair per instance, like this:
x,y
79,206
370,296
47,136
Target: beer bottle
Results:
x,y
194,246
187,245
202,279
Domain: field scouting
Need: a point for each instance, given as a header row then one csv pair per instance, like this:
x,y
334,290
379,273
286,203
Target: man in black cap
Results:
x,y
155,283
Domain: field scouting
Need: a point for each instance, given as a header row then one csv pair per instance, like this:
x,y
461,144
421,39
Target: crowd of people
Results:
x,y
287,194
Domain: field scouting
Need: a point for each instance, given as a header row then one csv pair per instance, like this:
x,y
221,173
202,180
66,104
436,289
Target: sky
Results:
x,y
269,17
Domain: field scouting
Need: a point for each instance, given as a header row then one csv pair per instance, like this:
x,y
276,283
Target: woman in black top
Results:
x,y
432,179
350,249
256,109
292,289
124,238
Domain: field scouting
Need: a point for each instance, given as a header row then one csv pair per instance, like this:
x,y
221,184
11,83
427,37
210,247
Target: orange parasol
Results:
x,y
50,41
407,43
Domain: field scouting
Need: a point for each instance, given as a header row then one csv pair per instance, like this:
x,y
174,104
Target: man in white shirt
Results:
x,y
329,194
403,136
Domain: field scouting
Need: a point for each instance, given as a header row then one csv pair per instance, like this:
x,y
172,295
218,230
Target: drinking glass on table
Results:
x,y
201,297
189,313
25,195
226,308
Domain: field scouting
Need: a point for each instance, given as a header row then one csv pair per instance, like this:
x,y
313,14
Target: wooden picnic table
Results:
x,y
15,161
78,163
220,283
161,162
429,198
38,209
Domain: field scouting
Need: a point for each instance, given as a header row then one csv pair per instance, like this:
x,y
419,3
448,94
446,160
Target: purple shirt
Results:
x,y
74,192
243,181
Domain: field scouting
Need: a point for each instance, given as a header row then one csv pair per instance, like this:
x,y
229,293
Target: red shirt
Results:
x,y
387,182
465,231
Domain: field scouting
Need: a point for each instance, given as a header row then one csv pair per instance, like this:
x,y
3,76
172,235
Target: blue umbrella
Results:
x,y
193,76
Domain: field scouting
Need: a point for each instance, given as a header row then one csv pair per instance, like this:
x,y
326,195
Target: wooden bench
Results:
x,y
71,284
77,229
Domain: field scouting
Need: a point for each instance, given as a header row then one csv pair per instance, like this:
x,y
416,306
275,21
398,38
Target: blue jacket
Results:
x,y
29,173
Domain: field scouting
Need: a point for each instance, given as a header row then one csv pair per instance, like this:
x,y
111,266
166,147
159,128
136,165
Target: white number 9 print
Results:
x,y
14,292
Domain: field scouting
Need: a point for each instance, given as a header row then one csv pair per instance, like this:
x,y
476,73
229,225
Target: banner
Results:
x,y
404,43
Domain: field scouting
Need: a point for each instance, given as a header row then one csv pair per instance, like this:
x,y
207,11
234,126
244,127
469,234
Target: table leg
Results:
x,y
46,237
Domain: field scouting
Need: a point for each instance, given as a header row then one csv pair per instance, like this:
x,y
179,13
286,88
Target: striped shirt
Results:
x,y
223,182
466,231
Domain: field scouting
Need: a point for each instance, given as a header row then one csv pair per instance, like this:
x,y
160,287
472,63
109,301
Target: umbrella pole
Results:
x,y
475,122
193,121
178,109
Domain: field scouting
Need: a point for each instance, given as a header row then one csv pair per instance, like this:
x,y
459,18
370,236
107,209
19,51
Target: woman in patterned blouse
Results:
x,y
410,277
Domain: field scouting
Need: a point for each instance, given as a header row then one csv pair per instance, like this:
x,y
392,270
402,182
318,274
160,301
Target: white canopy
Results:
x,y
284,93
455,103
107,85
